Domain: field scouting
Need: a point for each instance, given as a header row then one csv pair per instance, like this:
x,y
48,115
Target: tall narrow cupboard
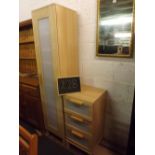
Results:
x,y
55,36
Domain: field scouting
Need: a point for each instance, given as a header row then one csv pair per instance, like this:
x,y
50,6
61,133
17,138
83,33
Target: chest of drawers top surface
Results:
x,y
87,93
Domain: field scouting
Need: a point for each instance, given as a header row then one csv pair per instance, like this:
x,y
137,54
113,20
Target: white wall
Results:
x,y
114,74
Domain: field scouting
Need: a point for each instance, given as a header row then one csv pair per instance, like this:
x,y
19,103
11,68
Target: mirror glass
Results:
x,y
115,28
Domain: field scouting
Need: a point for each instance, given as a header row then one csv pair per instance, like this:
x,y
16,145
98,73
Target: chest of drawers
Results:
x,y
30,109
84,117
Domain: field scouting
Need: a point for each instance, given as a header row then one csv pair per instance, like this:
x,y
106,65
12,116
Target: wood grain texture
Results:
x,y
30,106
26,48
67,41
64,57
27,51
29,103
28,142
88,93
26,35
96,101
29,81
49,13
25,23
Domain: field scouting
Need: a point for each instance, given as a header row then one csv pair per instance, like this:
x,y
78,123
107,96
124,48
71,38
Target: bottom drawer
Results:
x,y
78,138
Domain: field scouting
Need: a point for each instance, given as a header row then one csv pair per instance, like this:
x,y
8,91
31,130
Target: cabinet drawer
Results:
x,y
78,138
77,106
78,122
27,50
30,90
21,106
26,35
33,111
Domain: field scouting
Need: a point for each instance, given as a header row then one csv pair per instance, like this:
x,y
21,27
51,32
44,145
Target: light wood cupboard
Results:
x,y
55,36
84,117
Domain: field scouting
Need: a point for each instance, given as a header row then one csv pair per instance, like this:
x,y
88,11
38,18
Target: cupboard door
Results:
x,y
56,52
47,62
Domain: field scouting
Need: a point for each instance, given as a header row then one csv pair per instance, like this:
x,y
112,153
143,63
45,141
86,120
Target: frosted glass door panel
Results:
x,y
48,74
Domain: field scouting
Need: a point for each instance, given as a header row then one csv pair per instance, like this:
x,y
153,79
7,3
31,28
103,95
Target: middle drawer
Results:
x,y
30,90
78,106
78,122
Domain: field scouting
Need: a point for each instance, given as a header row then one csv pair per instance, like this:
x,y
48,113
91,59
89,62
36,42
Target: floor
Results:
x,y
99,150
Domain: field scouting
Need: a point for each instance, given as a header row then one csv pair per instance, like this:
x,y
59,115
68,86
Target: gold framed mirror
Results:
x,y
115,28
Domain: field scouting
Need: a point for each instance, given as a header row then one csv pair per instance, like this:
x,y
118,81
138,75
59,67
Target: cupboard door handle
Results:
x,y
77,119
75,101
77,134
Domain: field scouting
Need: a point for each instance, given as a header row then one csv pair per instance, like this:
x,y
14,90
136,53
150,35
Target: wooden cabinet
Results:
x,y
84,117
27,61
55,36
22,107
30,109
33,110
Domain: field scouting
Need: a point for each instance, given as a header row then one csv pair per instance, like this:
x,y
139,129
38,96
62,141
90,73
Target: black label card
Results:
x,y
68,85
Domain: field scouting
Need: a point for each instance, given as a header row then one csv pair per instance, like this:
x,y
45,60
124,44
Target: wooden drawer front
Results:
x,y
30,90
27,66
78,122
78,138
78,107
26,35
27,51
21,106
33,111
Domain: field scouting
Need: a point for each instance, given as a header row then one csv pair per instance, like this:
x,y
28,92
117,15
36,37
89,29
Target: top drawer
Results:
x,y
30,90
78,106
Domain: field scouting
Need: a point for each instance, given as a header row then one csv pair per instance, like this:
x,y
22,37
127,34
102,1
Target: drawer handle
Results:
x,y
80,103
77,134
77,119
